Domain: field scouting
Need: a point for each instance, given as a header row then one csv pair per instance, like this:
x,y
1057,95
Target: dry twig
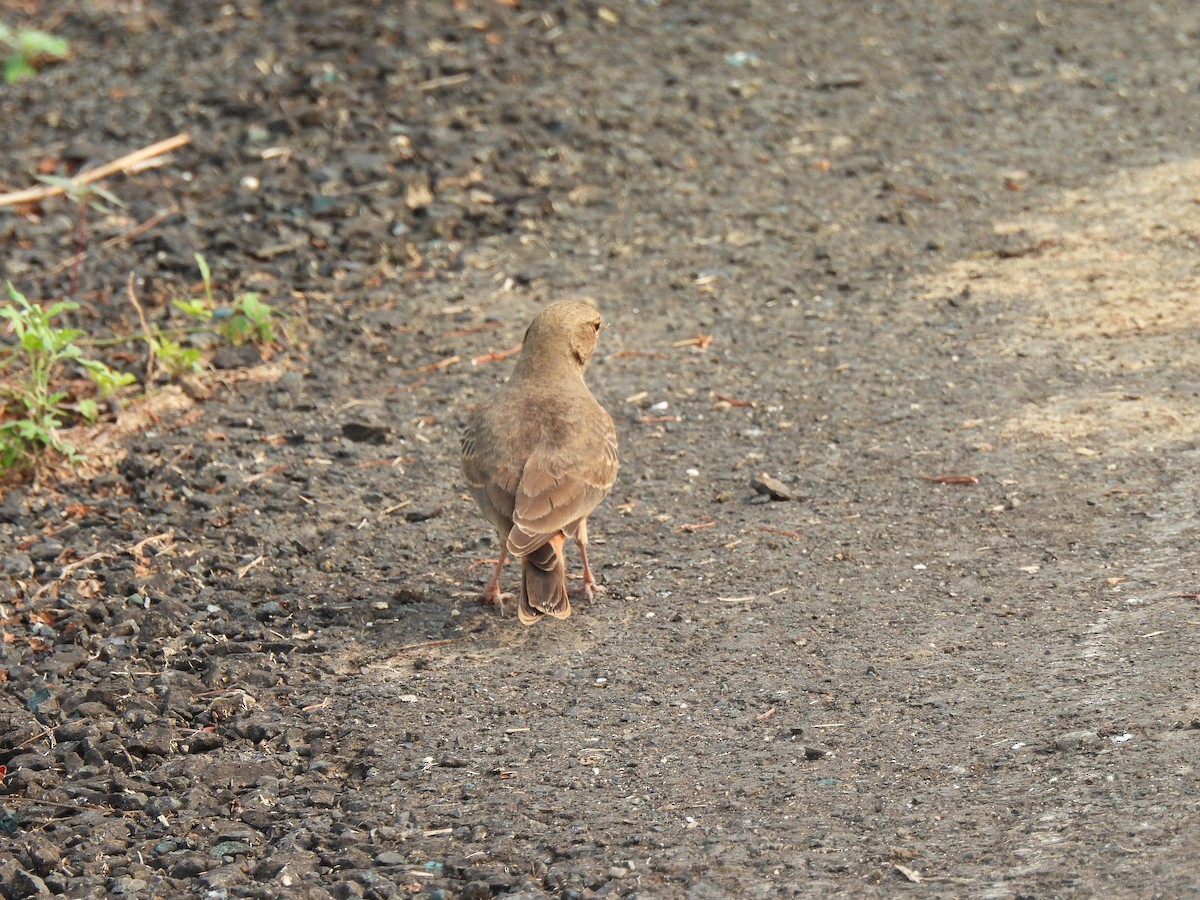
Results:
x,y
129,162
652,354
950,479
785,533
443,363
138,550
245,570
725,398
689,527
496,355
135,231
473,329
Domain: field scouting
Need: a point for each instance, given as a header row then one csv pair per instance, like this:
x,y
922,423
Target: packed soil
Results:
x,y
931,268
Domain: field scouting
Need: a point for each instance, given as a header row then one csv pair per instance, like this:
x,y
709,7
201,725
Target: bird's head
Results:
x,y
564,330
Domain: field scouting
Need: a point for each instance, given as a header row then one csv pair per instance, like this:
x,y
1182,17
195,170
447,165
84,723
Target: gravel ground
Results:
x,y
901,563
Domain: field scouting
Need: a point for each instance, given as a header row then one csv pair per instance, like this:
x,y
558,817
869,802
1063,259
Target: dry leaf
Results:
x,y
417,193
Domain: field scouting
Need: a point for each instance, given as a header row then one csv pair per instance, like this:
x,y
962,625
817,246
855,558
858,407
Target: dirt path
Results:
x,y
933,268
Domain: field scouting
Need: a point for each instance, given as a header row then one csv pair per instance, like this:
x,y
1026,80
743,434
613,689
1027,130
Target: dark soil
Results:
x,y
947,256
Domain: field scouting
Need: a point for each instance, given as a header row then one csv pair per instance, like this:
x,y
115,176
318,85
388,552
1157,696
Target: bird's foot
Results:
x,y
493,596
588,590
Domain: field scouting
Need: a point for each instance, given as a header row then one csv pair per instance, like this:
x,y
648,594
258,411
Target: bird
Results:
x,y
539,456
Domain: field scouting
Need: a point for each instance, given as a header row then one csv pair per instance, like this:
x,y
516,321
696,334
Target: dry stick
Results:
x,y
86,561
497,355
125,162
650,354
49,732
444,81
433,366
690,527
245,570
791,534
462,332
136,549
733,401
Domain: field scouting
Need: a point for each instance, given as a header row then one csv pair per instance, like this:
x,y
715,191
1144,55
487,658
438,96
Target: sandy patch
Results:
x,y
1109,278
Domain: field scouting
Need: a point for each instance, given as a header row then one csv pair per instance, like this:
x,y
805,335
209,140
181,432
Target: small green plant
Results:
x,y
33,410
176,359
26,47
247,319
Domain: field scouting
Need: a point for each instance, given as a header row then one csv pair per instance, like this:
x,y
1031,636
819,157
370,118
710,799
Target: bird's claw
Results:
x,y
493,596
588,590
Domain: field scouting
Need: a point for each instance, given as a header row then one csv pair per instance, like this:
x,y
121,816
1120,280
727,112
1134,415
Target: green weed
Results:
x,y
33,410
247,319
26,47
176,359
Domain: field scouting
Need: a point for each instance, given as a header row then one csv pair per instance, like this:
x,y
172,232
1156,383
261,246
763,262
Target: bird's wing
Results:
x,y
492,484
560,488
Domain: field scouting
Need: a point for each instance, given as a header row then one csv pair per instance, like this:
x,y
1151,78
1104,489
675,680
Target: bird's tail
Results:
x,y
544,583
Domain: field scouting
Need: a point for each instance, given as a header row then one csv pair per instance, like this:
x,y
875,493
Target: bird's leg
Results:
x,y
492,594
589,580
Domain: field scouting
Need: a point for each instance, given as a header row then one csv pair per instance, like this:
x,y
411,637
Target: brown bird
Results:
x,y
539,456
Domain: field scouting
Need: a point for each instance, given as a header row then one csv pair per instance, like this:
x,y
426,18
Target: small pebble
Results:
x,y
770,487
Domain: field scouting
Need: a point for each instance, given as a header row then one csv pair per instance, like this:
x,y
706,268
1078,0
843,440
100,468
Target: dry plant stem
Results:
x,y
68,569
145,330
77,259
129,235
474,329
138,549
690,527
784,532
117,165
433,366
647,354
